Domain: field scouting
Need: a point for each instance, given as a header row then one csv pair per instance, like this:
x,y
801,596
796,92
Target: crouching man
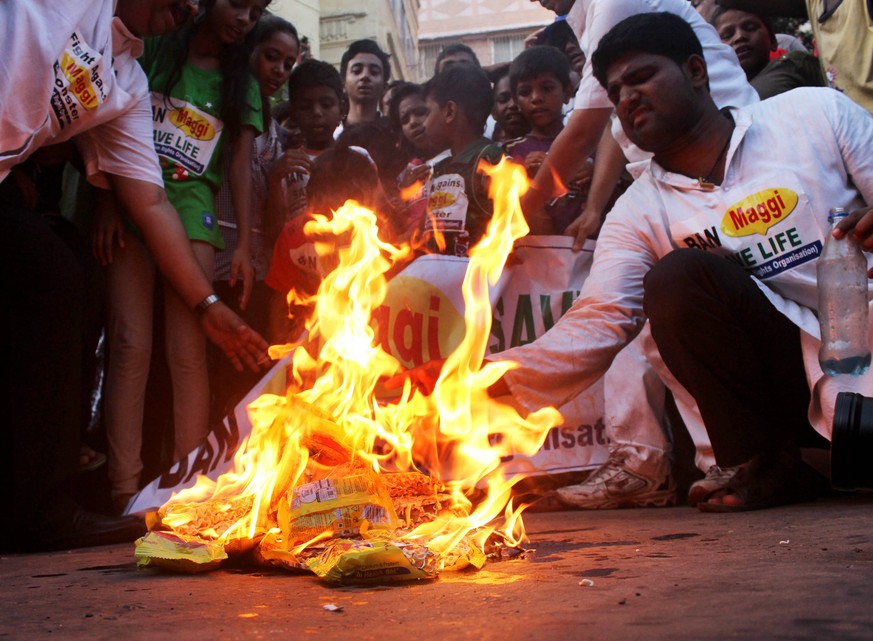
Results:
x,y
715,244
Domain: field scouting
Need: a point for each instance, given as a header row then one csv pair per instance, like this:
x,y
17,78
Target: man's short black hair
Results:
x,y
313,73
455,47
659,33
466,86
537,61
365,46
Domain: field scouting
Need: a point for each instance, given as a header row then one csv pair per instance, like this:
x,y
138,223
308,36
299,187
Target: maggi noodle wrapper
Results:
x,y
345,506
362,562
178,553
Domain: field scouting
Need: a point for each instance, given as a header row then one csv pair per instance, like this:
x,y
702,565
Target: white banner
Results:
x,y
422,319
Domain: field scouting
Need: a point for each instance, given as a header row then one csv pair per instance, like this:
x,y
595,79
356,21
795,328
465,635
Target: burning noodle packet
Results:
x,y
351,562
345,506
178,553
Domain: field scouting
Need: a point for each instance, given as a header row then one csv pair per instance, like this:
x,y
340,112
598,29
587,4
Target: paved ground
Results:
x,y
801,572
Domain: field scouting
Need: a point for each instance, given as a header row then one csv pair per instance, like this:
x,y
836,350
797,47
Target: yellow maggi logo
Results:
x,y
440,199
192,124
80,82
757,213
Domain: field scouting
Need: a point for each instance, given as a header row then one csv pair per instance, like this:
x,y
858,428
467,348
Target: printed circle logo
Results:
x,y
441,200
192,124
417,322
79,77
757,213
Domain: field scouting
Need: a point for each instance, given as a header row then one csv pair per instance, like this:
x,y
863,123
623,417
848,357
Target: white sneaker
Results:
x,y
716,479
612,485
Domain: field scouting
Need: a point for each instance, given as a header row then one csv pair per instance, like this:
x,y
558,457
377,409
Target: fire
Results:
x,y
336,438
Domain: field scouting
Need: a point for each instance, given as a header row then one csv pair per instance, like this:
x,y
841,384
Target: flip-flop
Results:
x,y
759,486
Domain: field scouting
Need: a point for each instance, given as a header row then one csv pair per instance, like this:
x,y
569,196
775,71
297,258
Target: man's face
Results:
x,y
559,7
747,35
155,17
365,78
655,98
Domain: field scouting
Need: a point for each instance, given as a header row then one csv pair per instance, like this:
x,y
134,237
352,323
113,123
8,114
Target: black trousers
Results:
x,y
735,353
41,370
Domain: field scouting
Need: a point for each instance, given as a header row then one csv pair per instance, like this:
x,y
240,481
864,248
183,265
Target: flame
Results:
x,y
331,422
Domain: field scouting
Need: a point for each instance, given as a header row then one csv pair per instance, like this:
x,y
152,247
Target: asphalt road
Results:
x,y
799,572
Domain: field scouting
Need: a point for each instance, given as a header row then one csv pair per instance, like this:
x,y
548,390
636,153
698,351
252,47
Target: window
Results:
x,y
506,48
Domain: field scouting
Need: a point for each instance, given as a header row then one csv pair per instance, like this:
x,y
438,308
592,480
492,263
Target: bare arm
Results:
x,y
608,165
148,207
570,149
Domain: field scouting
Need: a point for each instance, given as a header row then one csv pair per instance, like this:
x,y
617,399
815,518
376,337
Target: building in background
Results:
x,y
494,29
414,31
305,15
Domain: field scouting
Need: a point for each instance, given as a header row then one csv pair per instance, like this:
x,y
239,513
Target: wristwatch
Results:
x,y
206,303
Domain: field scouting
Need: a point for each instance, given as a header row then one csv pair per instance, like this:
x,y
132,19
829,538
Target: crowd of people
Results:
x,y
192,140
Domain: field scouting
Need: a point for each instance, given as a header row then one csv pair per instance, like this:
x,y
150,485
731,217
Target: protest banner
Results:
x,y
422,319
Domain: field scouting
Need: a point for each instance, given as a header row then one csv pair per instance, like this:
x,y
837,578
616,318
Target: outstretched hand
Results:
x,y
241,344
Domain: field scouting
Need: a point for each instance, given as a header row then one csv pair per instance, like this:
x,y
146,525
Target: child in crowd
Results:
x,y
458,102
314,106
753,40
365,71
276,47
408,112
204,101
540,81
339,174
509,122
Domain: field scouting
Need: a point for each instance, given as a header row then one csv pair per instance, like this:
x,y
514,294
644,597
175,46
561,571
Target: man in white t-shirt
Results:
x,y
69,71
637,471
731,296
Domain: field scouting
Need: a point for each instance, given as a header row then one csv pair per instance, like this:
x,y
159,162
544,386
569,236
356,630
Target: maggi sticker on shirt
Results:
x,y
446,204
79,81
757,213
184,134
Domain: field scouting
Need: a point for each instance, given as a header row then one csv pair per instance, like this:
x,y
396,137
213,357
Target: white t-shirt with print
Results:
x,y
769,215
69,69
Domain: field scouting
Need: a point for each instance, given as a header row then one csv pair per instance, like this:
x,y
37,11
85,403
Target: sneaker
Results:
x,y
612,485
716,478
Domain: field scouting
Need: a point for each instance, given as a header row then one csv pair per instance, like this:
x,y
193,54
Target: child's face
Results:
x,y
232,20
747,34
540,100
365,79
272,61
436,127
317,113
412,112
506,111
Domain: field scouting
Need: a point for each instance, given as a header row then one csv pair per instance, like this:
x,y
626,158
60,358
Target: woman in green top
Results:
x,y
205,103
